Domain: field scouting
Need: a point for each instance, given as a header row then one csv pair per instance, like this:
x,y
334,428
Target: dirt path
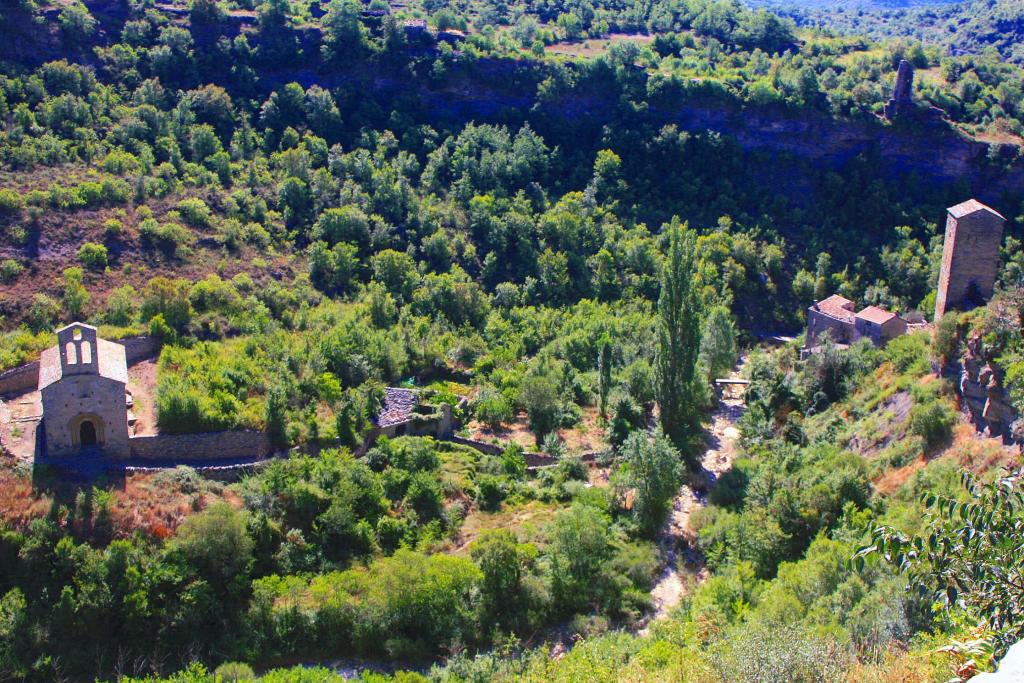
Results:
x,y
684,565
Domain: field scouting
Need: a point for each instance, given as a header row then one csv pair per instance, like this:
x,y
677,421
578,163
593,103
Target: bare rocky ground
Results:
x,y
684,566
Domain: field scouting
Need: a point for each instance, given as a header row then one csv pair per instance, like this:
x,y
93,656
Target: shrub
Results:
x,y
493,409
195,212
932,421
113,227
234,672
490,492
909,353
10,270
43,312
11,201
93,256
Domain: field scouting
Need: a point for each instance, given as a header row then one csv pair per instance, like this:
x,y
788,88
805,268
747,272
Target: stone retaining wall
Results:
x,y
26,377
532,459
22,378
204,447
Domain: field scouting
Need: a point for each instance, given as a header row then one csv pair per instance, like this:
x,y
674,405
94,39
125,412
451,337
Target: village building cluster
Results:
x,y
967,278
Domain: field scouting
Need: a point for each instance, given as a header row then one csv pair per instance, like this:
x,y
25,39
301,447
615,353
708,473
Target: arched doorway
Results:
x,y
87,433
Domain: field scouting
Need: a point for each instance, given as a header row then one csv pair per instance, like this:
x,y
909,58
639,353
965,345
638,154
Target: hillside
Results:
x,y
965,28
470,272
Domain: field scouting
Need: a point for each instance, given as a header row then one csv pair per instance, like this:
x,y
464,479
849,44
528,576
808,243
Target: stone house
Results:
x,y
83,381
833,315
878,325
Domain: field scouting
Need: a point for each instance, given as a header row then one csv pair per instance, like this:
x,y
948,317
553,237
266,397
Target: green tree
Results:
x,y
538,394
604,372
76,296
503,562
217,544
679,341
717,343
969,555
653,469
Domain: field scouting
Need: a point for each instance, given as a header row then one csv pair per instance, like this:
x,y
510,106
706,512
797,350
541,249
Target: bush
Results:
x,y
932,421
490,492
909,353
195,212
234,672
93,256
493,409
10,270
11,201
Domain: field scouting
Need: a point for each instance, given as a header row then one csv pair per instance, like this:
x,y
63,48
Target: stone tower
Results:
x,y
82,381
970,256
902,101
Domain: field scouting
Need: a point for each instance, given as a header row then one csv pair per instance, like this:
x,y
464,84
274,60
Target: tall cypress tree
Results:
x,y
679,341
604,372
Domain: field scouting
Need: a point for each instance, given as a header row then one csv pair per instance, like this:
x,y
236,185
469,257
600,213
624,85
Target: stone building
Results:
x,y
844,324
970,256
83,382
878,325
404,413
833,315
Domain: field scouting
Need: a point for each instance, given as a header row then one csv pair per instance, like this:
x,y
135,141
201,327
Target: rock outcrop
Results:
x,y
982,393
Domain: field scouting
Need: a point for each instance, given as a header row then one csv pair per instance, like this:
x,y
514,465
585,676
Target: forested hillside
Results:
x,y
561,221
973,27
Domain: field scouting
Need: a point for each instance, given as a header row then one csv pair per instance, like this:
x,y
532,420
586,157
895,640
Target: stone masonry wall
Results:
x,y
19,379
101,399
208,446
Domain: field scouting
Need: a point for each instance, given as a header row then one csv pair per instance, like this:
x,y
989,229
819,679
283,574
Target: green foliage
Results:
x,y
93,256
678,341
933,421
652,468
966,558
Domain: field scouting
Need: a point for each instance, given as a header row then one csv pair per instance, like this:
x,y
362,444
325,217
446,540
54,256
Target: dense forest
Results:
x,y
974,27
516,209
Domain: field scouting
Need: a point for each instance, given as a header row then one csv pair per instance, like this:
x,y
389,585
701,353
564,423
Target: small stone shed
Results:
x,y
405,414
83,381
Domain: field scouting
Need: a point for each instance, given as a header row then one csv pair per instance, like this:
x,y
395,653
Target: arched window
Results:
x,y
86,352
71,356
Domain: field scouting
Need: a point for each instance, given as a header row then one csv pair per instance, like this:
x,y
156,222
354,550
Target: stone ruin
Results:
x,y
901,106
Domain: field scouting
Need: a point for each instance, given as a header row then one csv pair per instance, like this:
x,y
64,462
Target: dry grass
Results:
x,y
587,435
138,502
595,47
525,521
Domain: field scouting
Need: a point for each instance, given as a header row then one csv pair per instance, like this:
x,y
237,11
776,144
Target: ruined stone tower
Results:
x,y
902,101
970,256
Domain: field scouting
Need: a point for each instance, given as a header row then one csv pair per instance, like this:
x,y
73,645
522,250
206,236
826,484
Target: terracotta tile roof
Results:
x,y
112,363
398,406
876,315
969,207
836,306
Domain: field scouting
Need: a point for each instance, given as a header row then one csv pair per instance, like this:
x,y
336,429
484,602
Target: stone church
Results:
x,y
83,381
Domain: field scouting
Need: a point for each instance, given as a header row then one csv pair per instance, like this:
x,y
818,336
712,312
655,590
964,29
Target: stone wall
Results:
x,y
818,323
26,377
19,379
205,447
